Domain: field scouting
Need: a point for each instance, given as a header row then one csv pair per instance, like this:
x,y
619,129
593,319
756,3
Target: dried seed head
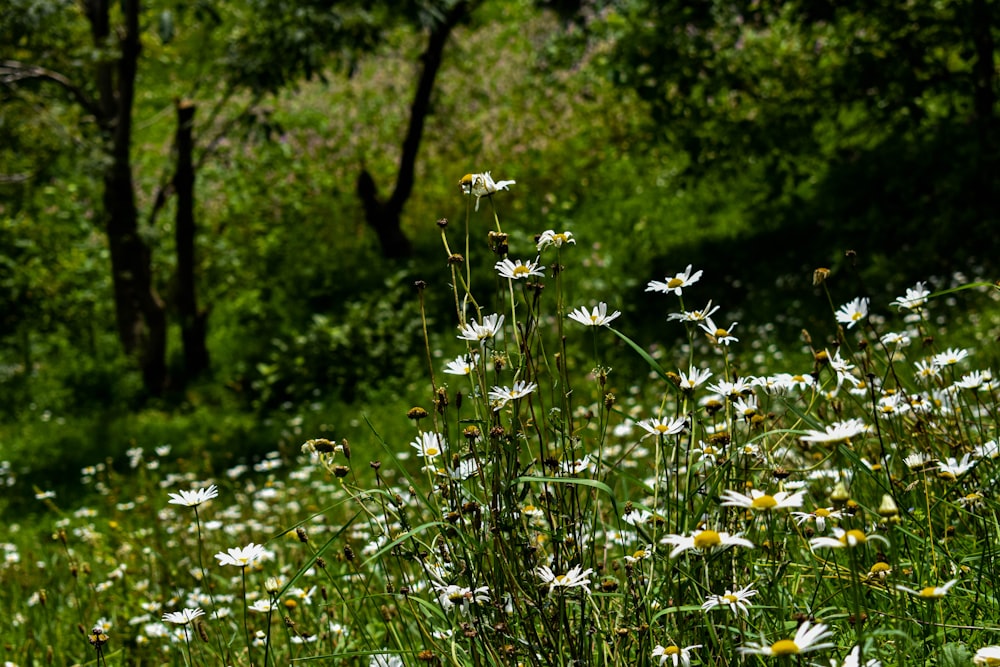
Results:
x,y
416,413
300,532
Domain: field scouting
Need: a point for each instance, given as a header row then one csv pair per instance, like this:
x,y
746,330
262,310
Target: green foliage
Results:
x,y
366,342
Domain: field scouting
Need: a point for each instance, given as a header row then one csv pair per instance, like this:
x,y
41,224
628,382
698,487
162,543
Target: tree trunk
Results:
x,y
142,322
384,216
193,321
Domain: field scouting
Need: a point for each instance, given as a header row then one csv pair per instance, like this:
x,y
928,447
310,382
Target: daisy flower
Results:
x,y
428,445
463,365
930,592
241,557
451,596
853,312
952,468
503,394
182,617
694,378
385,660
482,185
519,269
762,502
480,333
841,431
704,540
598,317
988,655
194,497
807,638
732,390
853,659
897,339
974,380
926,369
550,237
574,578
987,450
675,284
949,357
915,297
843,539
820,515
717,334
679,657
664,426
800,381
262,606
738,602
694,315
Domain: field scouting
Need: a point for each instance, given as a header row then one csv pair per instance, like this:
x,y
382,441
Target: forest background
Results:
x,y
213,214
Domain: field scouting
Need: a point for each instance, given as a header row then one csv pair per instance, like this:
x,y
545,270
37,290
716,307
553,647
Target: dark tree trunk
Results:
x,y
193,321
984,70
142,323
384,216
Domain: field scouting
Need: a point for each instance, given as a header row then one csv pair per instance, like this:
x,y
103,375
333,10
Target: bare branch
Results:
x,y
12,71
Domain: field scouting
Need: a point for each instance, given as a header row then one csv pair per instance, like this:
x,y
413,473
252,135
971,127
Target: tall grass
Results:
x,y
838,507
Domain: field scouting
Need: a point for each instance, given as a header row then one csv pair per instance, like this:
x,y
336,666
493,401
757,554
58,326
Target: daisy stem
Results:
x,y
246,624
207,583
187,643
859,616
267,636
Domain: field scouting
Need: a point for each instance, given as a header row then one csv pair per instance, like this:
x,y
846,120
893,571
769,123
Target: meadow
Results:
x,y
733,503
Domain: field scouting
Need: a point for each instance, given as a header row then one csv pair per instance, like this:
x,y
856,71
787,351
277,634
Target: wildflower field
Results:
x,y
734,504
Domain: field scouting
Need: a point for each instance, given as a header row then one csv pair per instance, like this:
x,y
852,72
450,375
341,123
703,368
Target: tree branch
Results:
x,y
12,71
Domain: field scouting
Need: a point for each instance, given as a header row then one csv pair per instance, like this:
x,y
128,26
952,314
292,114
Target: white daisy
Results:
x,y
762,502
676,284
853,312
518,270
480,333
482,185
550,237
194,497
807,638
598,317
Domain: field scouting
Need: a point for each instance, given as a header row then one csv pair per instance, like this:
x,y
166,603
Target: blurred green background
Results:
x,y
242,278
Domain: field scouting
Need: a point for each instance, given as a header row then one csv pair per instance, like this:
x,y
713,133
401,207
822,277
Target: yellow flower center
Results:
x,y
798,378
784,647
674,282
559,238
880,568
730,598
521,270
721,333
853,537
593,318
707,539
988,661
671,650
764,502
662,428
432,451
822,512
856,316
639,555
930,592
